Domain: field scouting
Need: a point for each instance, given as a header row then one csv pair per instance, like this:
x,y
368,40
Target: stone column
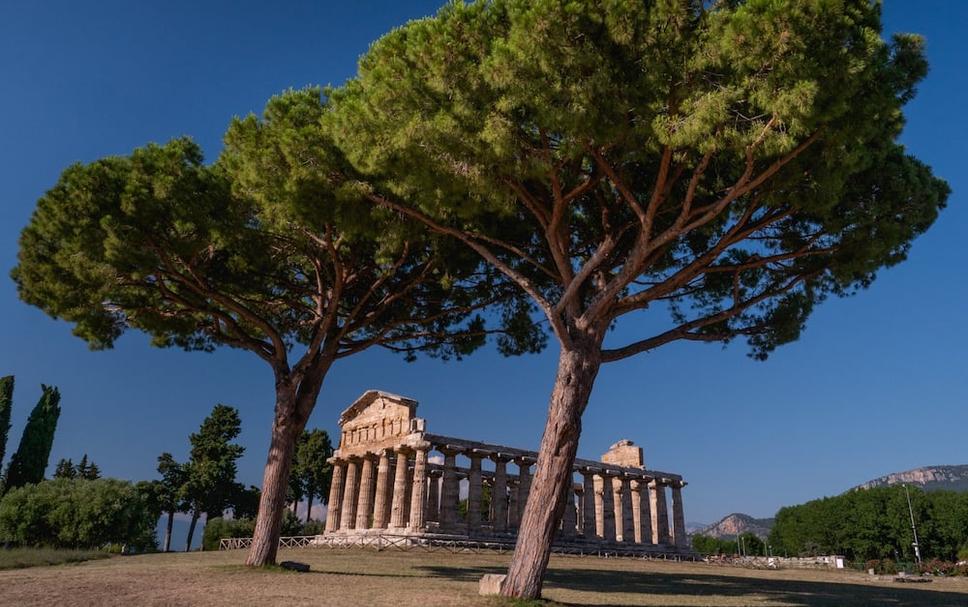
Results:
x,y
589,527
474,494
678,518
513,505
433,496
398,509
347,518
381,503
635,488
608,508
499,493
569,518
645,511
449,491
489,516
418,492
628,524
335,502
660,516
364,505
618,507
524,484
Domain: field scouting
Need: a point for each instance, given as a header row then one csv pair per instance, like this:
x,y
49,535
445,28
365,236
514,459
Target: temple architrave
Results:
x,y
393,478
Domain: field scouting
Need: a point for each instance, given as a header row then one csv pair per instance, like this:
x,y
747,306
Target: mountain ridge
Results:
x,y
737,523
930,478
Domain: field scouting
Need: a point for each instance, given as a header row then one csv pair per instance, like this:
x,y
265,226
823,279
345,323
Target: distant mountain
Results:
x,y
695,527
738,523
929,478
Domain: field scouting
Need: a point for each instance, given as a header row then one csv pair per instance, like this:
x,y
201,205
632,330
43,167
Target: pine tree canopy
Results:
x,y
256,251
733,162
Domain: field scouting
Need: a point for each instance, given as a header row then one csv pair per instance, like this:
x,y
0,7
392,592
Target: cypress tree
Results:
x,y
6,404
29,462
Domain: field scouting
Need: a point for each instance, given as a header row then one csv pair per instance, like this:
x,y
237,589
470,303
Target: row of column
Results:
x,y
622,508
361,495
612,507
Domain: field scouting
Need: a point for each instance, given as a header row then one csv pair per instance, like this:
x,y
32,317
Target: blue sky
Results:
x,y
878,383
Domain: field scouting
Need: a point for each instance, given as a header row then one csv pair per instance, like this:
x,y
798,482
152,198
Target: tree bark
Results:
x,y
275,481
293,406
577,369
171,520
309,507
191,530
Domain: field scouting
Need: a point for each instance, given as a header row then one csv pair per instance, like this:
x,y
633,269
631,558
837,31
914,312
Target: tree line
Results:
x,y
78,508
206,483
871,524
516,169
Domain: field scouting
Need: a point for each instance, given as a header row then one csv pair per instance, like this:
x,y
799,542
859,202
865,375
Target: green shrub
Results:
x,y
69,513
217,528
963,553
313,528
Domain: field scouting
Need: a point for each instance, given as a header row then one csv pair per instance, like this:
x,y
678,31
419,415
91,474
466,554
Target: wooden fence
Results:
x,y
388,542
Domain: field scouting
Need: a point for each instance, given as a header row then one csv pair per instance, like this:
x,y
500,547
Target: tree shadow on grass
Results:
x,y
800,593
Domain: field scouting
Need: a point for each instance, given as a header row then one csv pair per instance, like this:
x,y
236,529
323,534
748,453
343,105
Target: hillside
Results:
x,y
738,523
929,478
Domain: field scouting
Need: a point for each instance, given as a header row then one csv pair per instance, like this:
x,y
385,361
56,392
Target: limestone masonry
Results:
x,y
385,484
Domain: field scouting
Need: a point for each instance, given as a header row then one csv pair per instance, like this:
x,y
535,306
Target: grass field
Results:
x,y
354,577
19,558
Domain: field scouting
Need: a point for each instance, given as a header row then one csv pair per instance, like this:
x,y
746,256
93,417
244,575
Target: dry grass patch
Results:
x,y
416,579
20,558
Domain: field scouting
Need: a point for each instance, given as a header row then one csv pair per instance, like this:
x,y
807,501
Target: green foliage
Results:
x,y
88,470
28,463
211,469
751,545
202,256
874,524
218,528
6,407
734,161
65,469
245,501
174,477
707,544
311,472
963,553
78,514
21,558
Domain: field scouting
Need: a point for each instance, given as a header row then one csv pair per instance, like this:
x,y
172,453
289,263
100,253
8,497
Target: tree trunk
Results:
x,y
286,427
191,530
171,520
293,406
577,368
309,507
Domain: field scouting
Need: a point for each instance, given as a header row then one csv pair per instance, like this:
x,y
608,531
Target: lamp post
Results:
x,y
917,547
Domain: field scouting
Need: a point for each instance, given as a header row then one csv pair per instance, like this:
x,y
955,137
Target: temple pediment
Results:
x,y
376,420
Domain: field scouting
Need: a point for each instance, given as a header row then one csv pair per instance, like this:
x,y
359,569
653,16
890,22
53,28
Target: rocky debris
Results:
x,y
491,584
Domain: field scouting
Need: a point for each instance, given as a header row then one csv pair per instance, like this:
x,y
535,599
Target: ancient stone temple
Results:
x,y
393,478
